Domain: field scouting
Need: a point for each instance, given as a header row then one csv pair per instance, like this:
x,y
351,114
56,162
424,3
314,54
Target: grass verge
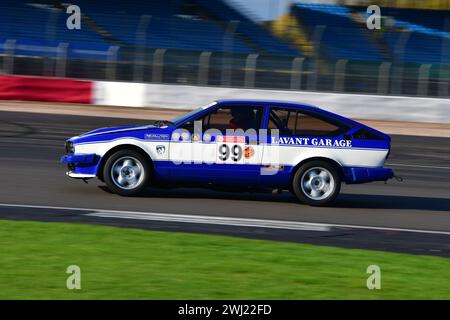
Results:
x,y
118,263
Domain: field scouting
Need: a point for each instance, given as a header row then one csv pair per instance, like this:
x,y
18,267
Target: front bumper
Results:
x,y
81,166
79,159
354,175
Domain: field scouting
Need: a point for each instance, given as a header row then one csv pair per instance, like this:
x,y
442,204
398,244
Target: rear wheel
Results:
x,y
126,172
316,183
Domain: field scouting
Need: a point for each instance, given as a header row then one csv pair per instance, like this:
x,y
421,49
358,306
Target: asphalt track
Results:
x,y
31,145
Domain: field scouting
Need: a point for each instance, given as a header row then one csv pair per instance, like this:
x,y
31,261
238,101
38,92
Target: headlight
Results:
x,y
69,147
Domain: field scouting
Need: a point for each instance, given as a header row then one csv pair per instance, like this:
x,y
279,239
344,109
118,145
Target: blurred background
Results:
x,y
277,44
161,58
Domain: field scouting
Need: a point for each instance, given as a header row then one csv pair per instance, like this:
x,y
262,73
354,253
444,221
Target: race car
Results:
x,y
236,144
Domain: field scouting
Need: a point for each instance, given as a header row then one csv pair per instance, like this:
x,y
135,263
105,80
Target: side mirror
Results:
x,y
348,137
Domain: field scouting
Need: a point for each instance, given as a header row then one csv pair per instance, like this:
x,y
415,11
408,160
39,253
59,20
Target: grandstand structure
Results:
x,y
325,47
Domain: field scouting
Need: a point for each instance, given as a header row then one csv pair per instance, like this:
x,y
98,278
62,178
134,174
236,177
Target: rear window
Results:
x,y
364,134
296,123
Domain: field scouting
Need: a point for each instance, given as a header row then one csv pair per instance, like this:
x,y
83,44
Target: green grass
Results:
x,y
119,263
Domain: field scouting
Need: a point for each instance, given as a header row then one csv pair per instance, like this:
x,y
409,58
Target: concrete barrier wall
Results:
x,y
359,106
45,89
120,94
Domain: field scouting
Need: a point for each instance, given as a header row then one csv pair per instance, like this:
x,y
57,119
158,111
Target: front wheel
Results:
x,y
316,183
126,172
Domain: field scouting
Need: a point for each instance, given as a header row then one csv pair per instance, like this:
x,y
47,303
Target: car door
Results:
x,y
281,124
220,146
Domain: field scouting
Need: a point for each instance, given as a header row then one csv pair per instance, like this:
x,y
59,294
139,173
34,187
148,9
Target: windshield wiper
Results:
x,y
161,123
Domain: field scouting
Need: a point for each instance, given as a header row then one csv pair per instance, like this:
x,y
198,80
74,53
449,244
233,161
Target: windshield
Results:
x,y
180,119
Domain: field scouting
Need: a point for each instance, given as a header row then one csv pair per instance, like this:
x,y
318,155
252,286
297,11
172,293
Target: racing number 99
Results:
x,y
224,152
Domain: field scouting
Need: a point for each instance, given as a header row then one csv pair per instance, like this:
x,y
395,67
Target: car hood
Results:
x,y
108,130
110,133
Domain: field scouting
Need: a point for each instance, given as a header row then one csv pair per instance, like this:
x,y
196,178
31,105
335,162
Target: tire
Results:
x,y
126,172
316,183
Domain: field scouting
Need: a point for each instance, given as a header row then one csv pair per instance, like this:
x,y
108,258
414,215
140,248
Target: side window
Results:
x,y
312,126
292,122
283,119
235,117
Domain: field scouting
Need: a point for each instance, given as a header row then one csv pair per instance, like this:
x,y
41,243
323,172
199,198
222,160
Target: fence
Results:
x,y
247,71
227,68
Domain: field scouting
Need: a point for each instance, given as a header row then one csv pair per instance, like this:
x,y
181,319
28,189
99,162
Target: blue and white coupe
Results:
x,y
238,145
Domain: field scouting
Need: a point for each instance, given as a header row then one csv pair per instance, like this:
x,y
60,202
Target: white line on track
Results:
x,y
229,221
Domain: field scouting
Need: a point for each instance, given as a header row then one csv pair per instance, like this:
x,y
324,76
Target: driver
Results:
x,y
243,118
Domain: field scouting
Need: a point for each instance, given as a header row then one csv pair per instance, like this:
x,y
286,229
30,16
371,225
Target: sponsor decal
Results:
x,y
230,139
156,136
160,149
315,142
249,152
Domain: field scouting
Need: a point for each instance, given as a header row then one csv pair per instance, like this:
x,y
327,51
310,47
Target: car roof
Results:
x,y
335,116
299,105
273,102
